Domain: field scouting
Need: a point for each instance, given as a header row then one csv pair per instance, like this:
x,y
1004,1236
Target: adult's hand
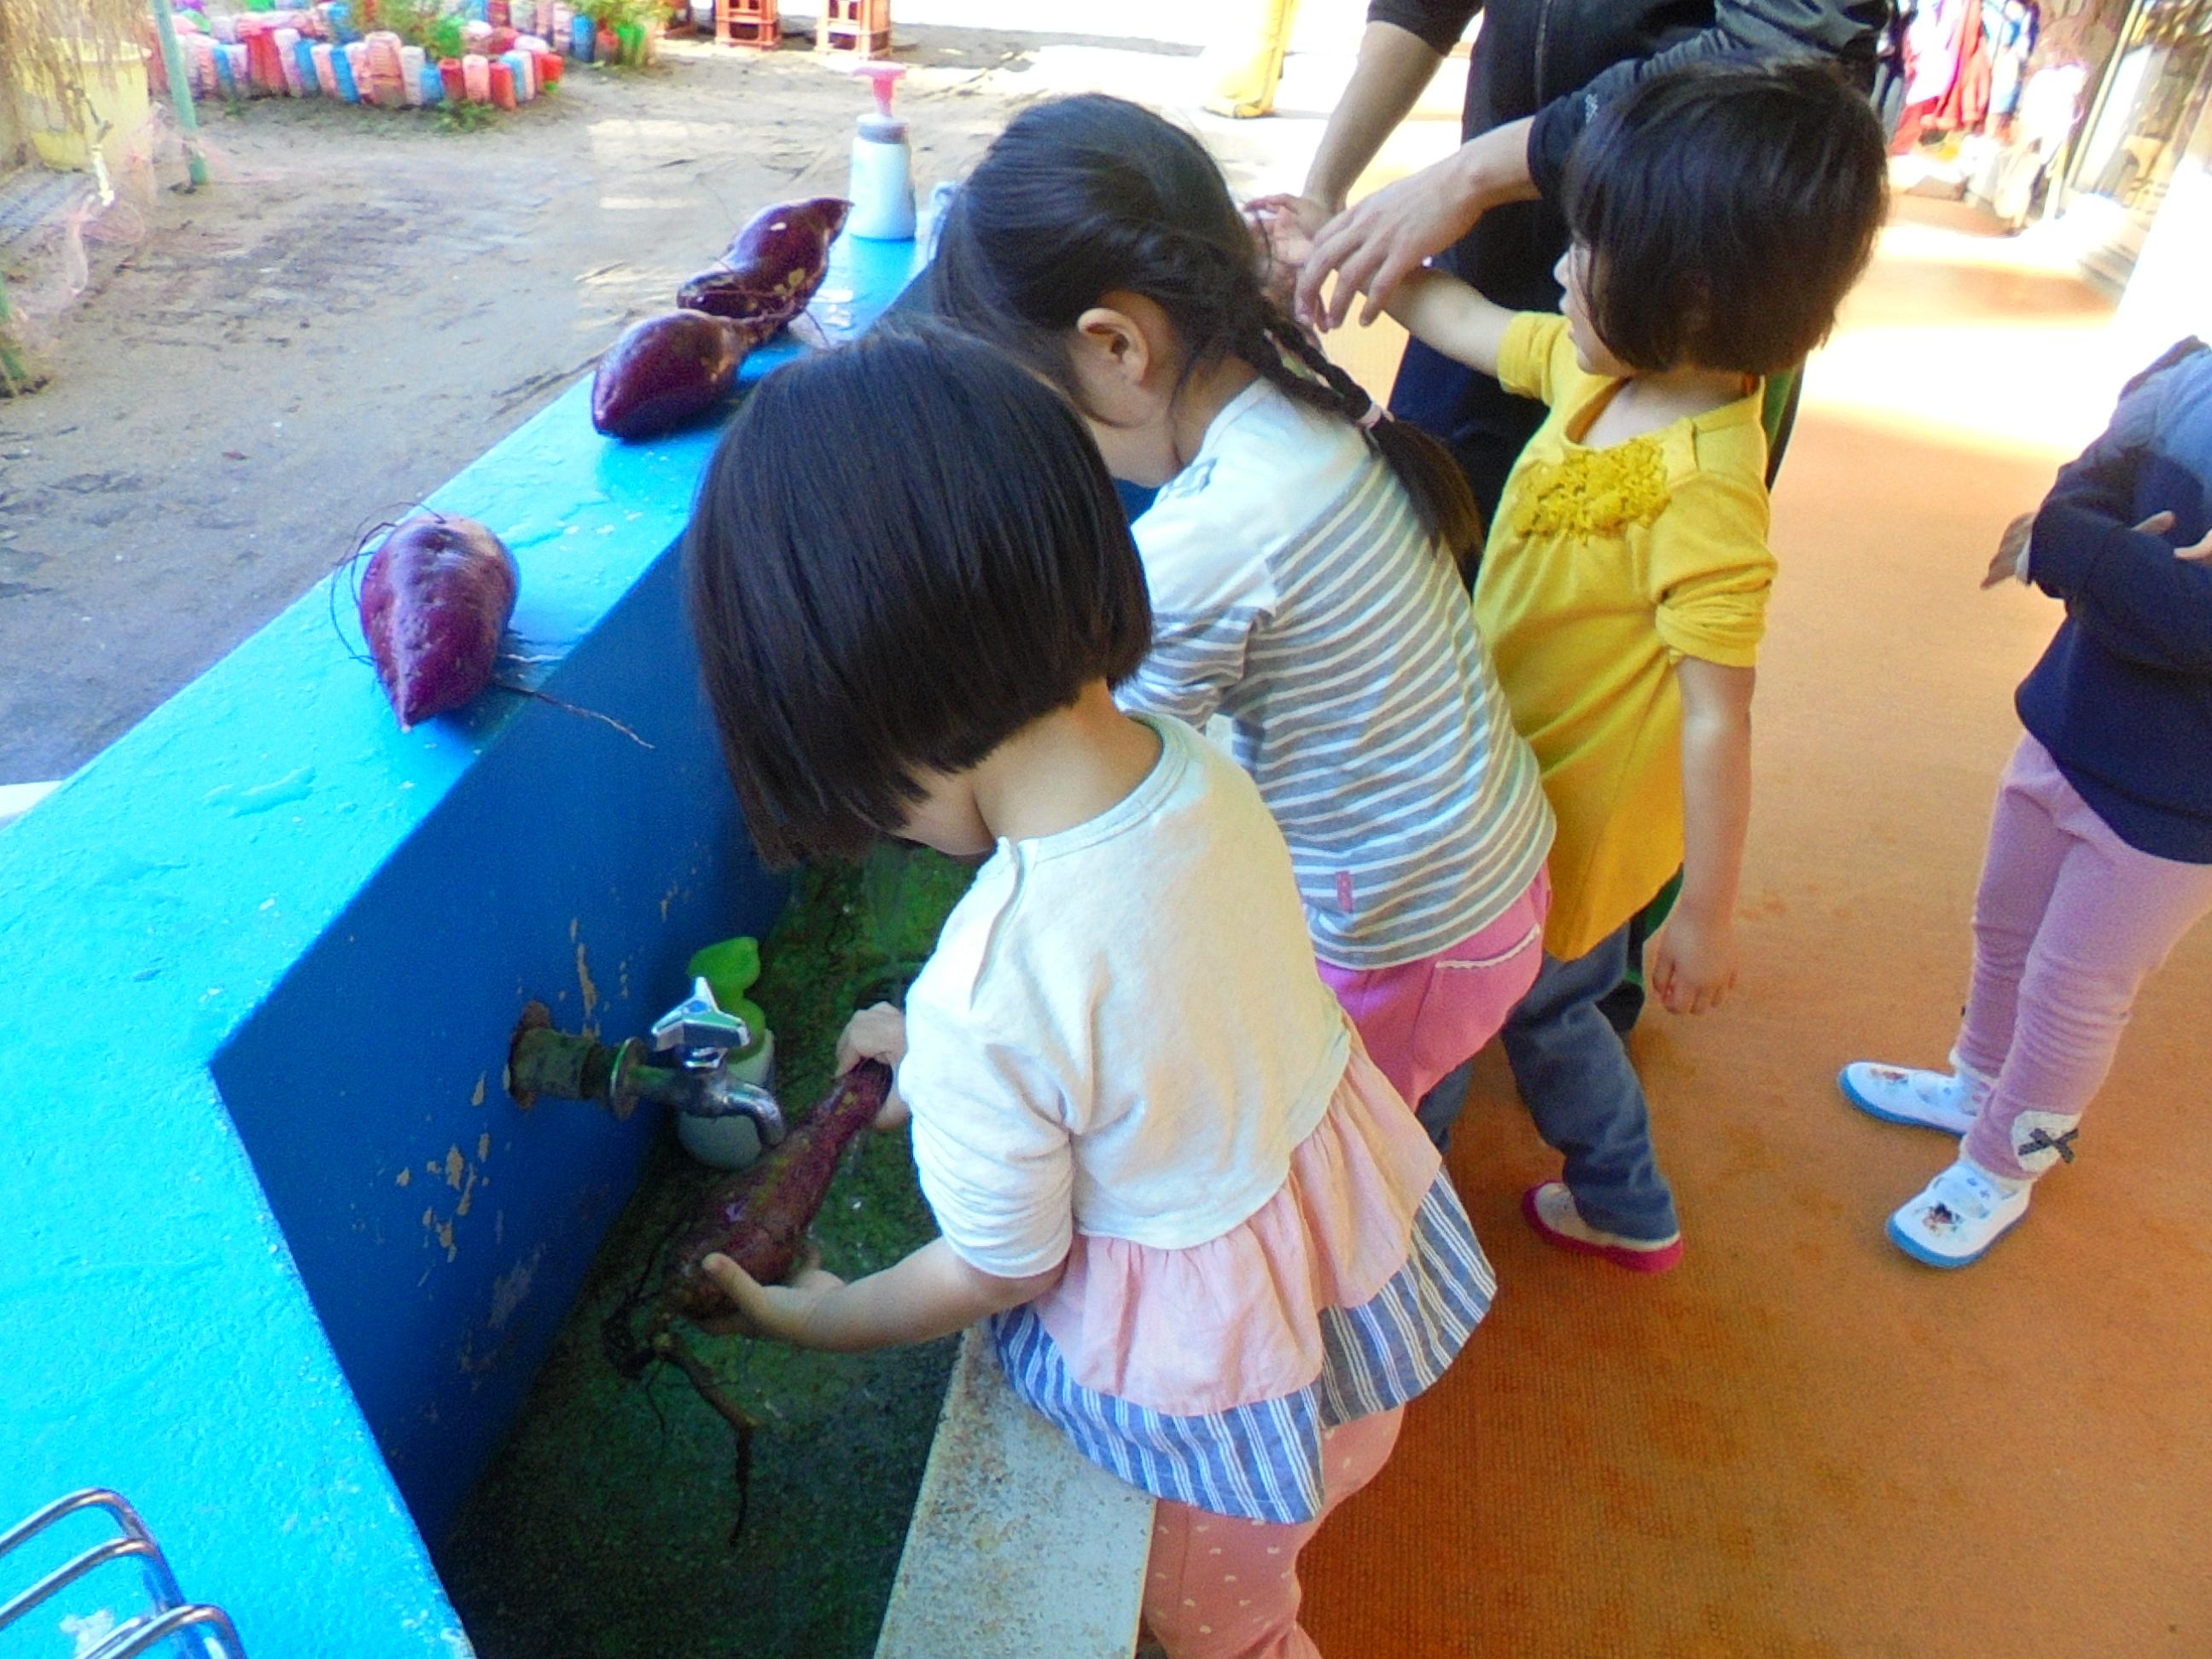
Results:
x,y
1374,244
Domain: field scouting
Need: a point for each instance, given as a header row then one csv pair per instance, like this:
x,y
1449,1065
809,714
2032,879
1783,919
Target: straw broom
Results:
x,y
40,43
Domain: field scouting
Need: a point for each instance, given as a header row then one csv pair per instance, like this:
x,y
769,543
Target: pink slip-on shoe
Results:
x,y
1550,1208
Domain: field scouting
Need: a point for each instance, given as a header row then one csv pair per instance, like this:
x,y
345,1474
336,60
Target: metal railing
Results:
x,y
169,1614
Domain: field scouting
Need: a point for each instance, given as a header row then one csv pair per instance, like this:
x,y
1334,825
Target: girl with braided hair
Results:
x,y
1302,555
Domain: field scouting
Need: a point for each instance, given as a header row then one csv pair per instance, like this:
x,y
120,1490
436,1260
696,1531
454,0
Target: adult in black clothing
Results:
x,y
1540,68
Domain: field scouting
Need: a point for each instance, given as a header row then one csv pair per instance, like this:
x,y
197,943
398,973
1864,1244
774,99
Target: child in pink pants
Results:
x,y
2101,855
1302,557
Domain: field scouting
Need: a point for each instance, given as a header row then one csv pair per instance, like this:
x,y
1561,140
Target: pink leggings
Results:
x,y
1222,1589
1421,1019
2070,921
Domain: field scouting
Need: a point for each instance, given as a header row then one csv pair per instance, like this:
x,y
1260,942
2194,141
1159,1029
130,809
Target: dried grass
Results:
x,y
39,51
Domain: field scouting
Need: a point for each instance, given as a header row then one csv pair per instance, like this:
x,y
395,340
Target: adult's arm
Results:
x,y
1376,244
1392,232
1398,57
1844,29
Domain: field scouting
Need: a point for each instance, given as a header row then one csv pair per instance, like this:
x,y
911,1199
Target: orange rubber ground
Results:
x,y
1800,1443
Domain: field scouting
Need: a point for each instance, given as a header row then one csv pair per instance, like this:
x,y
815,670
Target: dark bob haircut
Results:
x,y
1727,208
902,552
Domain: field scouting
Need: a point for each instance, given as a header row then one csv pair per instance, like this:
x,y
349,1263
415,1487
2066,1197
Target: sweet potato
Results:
x,y
665,371
434,599
773,267
759,1217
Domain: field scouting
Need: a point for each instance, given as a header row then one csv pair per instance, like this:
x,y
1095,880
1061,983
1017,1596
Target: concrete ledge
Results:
x,y
1019,1548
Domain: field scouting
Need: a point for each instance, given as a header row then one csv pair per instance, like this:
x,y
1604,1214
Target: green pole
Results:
x,y
181,92
15,373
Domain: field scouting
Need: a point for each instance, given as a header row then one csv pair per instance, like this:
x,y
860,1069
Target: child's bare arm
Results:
x,y
1693,964
931,1293
1447,314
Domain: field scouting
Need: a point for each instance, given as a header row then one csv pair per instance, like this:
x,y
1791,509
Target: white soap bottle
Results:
x,y
882,188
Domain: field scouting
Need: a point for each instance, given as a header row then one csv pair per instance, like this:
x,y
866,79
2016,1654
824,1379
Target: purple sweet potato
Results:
x,y
759,1217
434,599
665,371
773,267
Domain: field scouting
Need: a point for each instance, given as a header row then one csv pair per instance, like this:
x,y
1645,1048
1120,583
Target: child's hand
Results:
x,y
876,1033
1284,227
1693,964
2004,564
2198,552
774,1313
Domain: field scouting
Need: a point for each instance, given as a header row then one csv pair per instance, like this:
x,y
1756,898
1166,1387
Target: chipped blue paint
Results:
x,y
278,1256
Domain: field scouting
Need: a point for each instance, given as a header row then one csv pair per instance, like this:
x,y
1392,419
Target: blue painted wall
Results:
x,y
261,960
567,865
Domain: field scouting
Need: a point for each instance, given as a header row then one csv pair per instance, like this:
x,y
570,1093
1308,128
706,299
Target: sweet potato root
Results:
x,y
758,1218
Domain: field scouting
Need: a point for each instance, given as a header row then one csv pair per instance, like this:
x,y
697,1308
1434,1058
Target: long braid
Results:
x,y
1211,288
1346,396
1430,477
1082,196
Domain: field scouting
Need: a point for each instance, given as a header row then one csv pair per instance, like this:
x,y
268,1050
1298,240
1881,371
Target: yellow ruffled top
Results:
x,y
1607,566
1593,492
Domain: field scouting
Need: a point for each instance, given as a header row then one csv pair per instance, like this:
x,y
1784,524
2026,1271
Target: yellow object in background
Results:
x,y
1244,66
110,110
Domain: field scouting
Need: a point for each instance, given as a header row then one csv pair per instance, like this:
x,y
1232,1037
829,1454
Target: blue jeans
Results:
x,y
1575,1075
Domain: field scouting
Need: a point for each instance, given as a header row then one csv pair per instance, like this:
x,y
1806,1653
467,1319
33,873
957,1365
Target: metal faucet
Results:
x,y
696,1032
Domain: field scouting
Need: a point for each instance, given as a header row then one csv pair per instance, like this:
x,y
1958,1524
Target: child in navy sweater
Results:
x,y
2101,857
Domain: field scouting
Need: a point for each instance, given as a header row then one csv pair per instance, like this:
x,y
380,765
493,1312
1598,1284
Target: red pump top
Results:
x,y
882,78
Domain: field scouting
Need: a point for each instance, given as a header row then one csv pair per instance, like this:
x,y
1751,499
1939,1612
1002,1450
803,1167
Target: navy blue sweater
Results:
x,y
2122,698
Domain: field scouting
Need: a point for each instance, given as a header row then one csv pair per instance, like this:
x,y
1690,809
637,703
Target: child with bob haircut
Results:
x,y
1216,1249
1719,214
1302,557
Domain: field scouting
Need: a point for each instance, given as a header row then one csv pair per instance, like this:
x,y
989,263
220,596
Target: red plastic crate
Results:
x,y
748,23
857,26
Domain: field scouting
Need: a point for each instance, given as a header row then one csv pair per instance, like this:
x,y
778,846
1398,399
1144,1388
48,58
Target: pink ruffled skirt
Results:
x,y
1207,1373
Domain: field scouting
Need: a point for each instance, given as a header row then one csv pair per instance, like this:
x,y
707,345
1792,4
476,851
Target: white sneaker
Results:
x,y
1933,1100
1958,1215
1550,1210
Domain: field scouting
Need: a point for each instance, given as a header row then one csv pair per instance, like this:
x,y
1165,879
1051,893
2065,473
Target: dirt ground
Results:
x,y
360,304
365,301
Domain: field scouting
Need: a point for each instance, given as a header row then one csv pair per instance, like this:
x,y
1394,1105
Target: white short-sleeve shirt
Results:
x,y
1122,1030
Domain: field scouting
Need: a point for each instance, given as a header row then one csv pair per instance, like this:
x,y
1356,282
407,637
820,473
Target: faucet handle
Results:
x,y
698,1028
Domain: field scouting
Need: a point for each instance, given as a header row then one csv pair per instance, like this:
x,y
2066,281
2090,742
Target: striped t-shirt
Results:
x,y
1294,593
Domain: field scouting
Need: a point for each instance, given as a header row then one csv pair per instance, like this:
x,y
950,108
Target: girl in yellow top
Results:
x,y
1719,212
